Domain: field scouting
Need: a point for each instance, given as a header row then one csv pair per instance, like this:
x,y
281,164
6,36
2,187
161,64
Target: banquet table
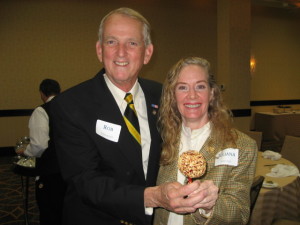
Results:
x,y
276,125
279,202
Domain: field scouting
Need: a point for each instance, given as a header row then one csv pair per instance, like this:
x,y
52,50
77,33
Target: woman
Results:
x,y
193,117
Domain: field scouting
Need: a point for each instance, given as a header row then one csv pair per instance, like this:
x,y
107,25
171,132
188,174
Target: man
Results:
x,y
107,169
50,187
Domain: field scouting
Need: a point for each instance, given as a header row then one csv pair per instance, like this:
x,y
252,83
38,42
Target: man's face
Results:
x,y
123,51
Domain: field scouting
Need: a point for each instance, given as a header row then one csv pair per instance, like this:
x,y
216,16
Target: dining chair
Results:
x,y
291,149
255,189
257,136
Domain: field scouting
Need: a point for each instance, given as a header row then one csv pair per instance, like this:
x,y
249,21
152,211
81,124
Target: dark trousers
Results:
x,y
50,191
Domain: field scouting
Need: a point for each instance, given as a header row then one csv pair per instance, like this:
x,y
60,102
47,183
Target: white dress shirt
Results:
x,y
38,132
141,109
189,140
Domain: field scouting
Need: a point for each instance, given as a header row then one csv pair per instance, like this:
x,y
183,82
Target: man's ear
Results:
x,y
148,53
99,50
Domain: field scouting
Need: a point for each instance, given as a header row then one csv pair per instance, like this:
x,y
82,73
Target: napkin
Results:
x,y
281,170
268,154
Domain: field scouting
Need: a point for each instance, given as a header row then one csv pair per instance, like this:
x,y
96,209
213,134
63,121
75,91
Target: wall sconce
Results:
x,y
252,64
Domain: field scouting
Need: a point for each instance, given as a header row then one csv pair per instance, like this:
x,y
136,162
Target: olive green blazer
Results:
x,y
234,183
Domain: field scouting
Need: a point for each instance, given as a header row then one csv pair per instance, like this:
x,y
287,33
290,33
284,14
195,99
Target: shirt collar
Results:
x,y
120,94
188,132
50,98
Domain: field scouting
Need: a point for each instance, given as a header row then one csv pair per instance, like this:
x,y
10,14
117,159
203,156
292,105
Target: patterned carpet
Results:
x,y
11,197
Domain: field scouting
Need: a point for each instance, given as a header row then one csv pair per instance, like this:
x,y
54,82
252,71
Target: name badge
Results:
x,y
108,130
229,156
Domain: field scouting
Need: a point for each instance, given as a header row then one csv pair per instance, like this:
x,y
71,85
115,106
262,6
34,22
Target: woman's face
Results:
x,y
193,94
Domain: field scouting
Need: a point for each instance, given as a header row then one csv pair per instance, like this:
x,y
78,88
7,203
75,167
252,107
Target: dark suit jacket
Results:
x,y
47,164
105,179
50,187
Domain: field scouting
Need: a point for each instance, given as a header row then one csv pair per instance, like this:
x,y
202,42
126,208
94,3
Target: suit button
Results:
x,y
41,186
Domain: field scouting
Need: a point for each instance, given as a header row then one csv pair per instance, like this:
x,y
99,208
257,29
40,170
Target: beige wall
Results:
x,y
12,128
276,47
233,52
56,39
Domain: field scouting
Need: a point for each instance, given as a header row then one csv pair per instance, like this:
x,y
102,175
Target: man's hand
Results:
x,y
182,198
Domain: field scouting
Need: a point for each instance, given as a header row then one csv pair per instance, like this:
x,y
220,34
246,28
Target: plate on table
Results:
x,y
270,184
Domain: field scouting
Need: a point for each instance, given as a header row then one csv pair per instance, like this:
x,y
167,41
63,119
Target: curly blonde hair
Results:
x,y
170,119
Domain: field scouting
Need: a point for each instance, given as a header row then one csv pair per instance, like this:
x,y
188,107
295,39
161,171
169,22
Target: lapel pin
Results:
x,y
155,107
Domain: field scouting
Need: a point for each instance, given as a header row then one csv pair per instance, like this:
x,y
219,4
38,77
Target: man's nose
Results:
x,y
122,50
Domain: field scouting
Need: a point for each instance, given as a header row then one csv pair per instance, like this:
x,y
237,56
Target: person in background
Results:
x,y
50,187
193,117
107,162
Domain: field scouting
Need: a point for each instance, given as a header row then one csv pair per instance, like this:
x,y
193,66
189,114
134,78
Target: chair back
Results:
x,y
257,136
255,189
291,149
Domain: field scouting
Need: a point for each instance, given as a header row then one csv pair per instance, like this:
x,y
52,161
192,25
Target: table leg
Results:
x,y
25,197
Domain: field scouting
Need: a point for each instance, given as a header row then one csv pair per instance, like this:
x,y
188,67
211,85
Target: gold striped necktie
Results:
x,y
130,117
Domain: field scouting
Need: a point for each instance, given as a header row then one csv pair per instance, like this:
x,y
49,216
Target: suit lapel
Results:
x,y
152,104
208,150
109,111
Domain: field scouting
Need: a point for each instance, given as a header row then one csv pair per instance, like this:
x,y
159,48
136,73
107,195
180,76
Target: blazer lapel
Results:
x,y
152,103
109,111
